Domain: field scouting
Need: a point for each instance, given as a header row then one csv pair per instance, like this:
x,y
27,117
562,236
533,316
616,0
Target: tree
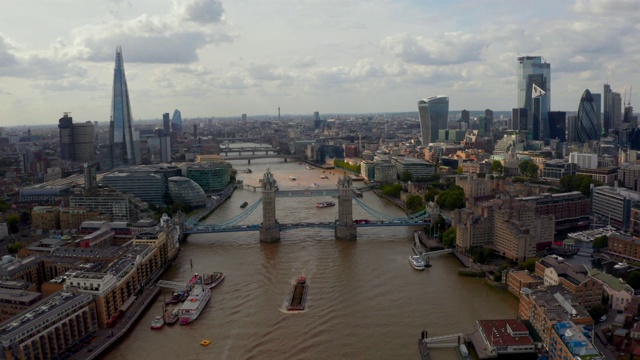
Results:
x,y
449,237
596,311
496,167
578,182
460,170
406,176
528,168
529,264
414,204
12,222
633,279
25,217
14,247
431,194
601,242
451,199
392,190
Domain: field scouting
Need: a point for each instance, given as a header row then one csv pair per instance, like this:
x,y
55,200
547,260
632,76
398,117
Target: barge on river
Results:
x,y
298,295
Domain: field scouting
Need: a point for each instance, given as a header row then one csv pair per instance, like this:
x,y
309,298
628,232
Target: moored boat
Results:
x,y
171,316
182,296
175,298
325,204
191,309
157,323
417,262
211,280
298,295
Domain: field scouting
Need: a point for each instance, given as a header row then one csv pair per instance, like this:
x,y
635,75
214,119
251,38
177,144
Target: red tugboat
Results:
x,y
298,295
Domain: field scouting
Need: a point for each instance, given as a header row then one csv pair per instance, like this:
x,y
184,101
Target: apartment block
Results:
x,y
71,218
625,247
606,175
45,217
619,292
549,305
575,279
613,205
46,331
572,341
517,280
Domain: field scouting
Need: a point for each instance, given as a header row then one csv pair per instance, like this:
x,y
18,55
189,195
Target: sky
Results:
x,y
224,58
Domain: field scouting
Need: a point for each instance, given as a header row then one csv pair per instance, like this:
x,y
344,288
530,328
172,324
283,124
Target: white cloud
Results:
x,y
436,49
199,11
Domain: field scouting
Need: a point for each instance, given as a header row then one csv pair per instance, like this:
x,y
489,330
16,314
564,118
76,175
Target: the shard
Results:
x,y
121,131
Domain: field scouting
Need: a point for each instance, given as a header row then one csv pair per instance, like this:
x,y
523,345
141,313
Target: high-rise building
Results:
x,y
558,125
166,124
616,109
121,125
176,121
433,113
607,121
597,101
65,124
83,149
76,140
534,70
587,124
518,119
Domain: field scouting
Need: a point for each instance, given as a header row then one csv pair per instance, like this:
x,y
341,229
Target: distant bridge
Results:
x,y
261,156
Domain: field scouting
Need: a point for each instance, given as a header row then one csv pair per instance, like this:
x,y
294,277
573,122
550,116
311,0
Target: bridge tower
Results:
x,y
345,229
270,232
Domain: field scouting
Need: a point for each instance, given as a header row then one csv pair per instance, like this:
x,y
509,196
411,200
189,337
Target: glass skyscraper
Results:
x,y
587,122
176,121
433,113
535,70
121,124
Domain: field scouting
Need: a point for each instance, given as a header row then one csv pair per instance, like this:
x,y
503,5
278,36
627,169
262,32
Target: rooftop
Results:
x,y
501,332
611,281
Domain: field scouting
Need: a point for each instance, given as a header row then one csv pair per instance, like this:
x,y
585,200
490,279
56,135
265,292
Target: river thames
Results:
x,y
365,301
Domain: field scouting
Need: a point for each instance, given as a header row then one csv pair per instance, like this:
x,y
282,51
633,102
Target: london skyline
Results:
x,y
212,58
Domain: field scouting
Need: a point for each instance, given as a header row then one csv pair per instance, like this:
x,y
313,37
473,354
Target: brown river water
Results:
x,y
365,301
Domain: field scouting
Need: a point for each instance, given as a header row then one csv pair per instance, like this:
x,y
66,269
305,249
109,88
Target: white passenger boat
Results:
x,y
192,307
417,262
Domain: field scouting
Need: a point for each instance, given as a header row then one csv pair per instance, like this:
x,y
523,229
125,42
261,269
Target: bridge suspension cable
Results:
x,y
236,219
375,213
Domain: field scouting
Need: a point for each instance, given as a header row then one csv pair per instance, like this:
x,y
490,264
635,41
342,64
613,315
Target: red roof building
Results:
x,y
505,336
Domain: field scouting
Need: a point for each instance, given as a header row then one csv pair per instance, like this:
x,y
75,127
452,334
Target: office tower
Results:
x,y
557,125
166,124
597,100
433,113
518,120
176,121
89,176
65,124
607,121
616,109
464,119
195,131
489,113
244,117
587,124
535,70
83,149
121,124
571,128
629,118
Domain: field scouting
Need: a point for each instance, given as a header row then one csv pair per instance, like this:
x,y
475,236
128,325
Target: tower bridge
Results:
x,y
344,227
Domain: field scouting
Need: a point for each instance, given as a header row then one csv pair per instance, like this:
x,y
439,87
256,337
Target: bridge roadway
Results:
x,y
204,229
261,156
